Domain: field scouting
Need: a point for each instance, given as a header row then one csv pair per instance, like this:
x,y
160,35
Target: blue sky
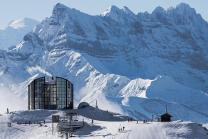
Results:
x,y
39,9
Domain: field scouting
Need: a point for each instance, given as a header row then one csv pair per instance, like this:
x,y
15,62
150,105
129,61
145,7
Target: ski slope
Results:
x,y
107,130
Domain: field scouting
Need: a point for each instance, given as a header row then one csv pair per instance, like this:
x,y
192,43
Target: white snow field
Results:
x,y
99,129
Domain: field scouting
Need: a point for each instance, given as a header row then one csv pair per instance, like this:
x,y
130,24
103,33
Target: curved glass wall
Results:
x,y
50,93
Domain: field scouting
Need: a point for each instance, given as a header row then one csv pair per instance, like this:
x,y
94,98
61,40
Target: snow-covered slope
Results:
x,y
99,129
132,64
15,31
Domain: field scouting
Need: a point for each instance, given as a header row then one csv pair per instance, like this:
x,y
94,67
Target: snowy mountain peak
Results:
x,y
182,9
127,11
114,10
15,31
122,15
111,10
60,7
184,6
158,10
62,13
185,10
22,23
182,14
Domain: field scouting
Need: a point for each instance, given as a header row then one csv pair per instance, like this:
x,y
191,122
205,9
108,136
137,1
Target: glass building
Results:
x,y
50,93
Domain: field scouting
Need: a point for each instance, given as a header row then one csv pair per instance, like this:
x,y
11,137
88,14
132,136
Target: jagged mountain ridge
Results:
x,y
163,56
130,36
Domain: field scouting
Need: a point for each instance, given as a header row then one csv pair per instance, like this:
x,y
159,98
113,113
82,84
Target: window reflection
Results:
x,y
55,94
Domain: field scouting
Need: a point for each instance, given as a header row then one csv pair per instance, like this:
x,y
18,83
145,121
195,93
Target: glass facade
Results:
x,y
50,93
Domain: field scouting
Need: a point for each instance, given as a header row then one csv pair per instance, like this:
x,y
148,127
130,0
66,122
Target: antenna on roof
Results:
x,y
96,104
166,108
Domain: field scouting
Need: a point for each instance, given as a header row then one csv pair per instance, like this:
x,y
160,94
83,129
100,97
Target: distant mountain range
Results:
x,y
135,64
15,32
